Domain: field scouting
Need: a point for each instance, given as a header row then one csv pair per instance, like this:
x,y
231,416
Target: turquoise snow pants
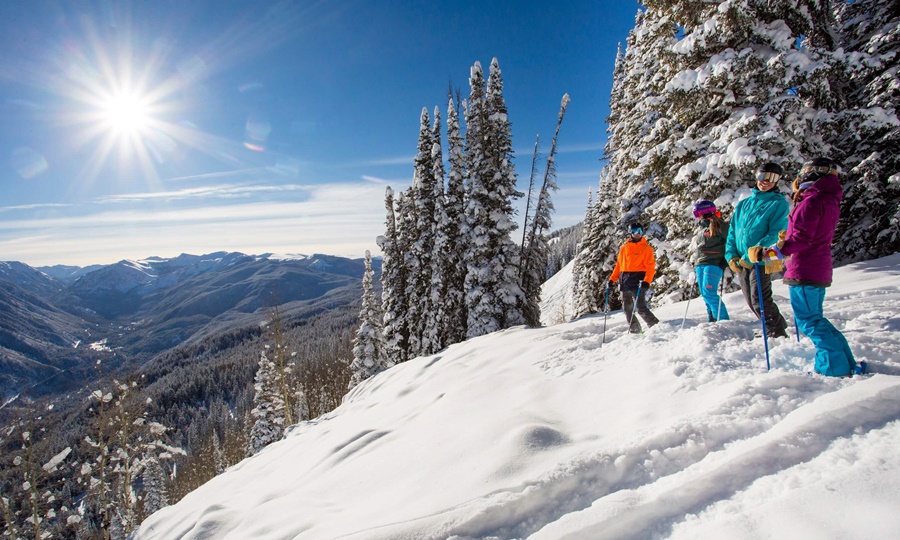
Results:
x,y
708,276
833,356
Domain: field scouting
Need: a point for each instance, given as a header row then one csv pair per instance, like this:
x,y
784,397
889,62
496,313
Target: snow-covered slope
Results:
x,y
551,433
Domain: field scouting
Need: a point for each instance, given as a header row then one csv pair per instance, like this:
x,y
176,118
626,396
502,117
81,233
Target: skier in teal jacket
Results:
x,y
756,222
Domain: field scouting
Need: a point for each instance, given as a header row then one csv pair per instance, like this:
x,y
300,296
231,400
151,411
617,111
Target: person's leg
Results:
x,y
833,355
776,326
721,312
748,288
703,287
708,277
644,311
634,326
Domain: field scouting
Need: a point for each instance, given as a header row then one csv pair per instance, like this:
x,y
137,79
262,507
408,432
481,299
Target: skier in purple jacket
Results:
x,y
811,225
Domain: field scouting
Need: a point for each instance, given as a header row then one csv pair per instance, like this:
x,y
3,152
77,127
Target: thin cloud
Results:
x,y
36,206
587,147
227,191
406,160
221,174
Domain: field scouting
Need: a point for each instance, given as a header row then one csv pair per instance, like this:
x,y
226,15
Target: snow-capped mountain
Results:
x,y
583,431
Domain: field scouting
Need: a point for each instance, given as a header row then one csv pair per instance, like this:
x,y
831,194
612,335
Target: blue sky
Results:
x,y
157,128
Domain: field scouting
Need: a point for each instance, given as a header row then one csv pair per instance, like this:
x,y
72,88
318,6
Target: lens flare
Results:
x,y
125,113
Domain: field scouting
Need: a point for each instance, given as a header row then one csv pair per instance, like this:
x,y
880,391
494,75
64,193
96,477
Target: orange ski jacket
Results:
x,y
635,258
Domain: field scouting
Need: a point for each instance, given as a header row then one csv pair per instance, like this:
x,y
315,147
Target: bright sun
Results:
x,y
125,113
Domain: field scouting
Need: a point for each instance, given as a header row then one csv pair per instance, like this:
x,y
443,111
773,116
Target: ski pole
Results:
x,y
605,315
762,313
634,308
690,294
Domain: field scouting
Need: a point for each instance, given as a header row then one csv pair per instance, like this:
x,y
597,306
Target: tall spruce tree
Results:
x,y
420,237
268,407
368,347
536,250
582,299
452,227
744,83
494,296
434,337
867,136
394,277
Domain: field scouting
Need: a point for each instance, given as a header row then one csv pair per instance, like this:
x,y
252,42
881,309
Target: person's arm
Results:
x,y
778,221
649,265
731,250
803,227
617,269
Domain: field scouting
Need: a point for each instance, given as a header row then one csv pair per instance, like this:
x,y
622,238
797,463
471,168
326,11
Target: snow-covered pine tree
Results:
x,y
581,299
494,295
420,237
126,443
745,83
639,80
536,250
368,347
434,337
453,222
268,407
155,495
283,367
394,277
600,244
867,136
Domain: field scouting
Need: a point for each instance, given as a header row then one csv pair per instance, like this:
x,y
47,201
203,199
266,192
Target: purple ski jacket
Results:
x,y
810,231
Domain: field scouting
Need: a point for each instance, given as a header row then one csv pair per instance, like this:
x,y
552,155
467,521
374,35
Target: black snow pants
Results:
x,y
776,326
634,326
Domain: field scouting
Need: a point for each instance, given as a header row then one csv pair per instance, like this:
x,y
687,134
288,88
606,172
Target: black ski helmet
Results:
x,y
817,168
771,167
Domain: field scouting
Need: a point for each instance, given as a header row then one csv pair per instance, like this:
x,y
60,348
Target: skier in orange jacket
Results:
x,y
636,266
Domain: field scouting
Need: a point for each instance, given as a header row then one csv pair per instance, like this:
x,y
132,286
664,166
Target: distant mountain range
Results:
x,y
56,322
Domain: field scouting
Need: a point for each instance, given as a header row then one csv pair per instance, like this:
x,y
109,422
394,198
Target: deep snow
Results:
x,y
547,433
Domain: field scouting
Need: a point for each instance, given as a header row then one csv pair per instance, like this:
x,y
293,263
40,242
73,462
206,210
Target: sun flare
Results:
x,y
125,113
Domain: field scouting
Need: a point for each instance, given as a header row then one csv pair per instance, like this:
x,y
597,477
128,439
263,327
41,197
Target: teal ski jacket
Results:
x,y
756,222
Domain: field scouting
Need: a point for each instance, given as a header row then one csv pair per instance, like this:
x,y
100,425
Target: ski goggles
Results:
x,y
769,177
820,170
637,230
703,213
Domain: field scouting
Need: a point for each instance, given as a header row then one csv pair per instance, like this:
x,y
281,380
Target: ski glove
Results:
x,y
735,265
755,254
782,235
612,284
645,285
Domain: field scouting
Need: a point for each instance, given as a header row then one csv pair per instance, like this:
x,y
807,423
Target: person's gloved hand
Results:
x,y
645,285
755,254
735,265
782,235
611,284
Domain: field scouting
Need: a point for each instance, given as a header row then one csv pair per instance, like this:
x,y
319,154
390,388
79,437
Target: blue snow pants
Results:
x,y
833,356
708,276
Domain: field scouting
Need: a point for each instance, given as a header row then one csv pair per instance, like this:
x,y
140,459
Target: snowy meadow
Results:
x,y
554,433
